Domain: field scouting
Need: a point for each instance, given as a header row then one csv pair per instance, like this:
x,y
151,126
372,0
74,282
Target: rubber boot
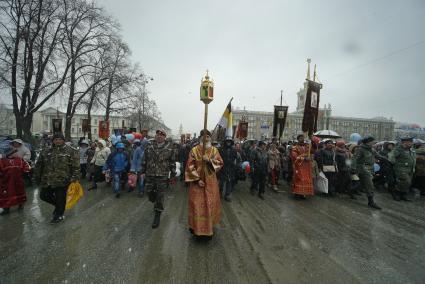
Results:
x,y
156,220
372,203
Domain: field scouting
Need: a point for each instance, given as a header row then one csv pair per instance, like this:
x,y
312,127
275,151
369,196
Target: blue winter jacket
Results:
x,y
136,160
117,162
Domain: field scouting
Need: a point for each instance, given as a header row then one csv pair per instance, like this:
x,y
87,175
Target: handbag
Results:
x,y
321,184
329,169
132,180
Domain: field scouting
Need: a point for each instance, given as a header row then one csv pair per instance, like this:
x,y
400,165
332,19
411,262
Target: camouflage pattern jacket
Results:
x,y
57,166
403,160
158,160
363,160
420,161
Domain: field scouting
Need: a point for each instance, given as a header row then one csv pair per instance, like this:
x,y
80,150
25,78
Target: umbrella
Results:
x,y
327,134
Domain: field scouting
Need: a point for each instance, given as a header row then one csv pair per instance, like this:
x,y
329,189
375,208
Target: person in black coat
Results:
x,y
227,175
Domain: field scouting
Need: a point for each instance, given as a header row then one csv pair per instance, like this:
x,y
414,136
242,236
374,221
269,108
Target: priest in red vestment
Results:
x,y
204,196
302,182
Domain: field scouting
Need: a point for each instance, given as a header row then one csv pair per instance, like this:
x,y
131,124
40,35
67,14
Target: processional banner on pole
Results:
x,y
103,129
279,120
311,108
57,125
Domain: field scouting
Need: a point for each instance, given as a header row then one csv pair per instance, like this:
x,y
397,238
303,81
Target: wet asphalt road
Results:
x,y
279,240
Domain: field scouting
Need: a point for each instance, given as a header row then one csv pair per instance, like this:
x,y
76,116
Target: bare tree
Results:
x,y
123,76
145,113
91,101
31,64
86,31
59,48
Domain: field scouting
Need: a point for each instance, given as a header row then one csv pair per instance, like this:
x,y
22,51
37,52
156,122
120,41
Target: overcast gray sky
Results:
x,y
370,54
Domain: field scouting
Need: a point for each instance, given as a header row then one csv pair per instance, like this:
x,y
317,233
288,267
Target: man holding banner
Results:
x,y
301,154
302,183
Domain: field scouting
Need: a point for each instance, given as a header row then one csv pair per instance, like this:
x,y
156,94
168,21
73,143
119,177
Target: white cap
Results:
x,y
17,141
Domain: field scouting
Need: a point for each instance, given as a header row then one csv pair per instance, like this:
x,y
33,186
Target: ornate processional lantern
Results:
x,y
207,89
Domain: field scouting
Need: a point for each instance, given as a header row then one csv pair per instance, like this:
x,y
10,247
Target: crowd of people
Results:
x,y
211,170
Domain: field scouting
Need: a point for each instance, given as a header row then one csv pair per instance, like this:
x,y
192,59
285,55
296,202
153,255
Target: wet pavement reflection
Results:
x,y
278,240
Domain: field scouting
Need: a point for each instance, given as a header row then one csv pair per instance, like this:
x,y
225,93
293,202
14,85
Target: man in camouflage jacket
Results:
x,y
158,165
362,165
403,158
56,168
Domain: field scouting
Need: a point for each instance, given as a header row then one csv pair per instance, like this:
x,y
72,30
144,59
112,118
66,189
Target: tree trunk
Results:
x,y
89,107
69,114
140,120
108,99
19,127
27,134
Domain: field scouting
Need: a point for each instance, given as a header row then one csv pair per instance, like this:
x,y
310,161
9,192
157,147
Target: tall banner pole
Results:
x,y
206,96
204,137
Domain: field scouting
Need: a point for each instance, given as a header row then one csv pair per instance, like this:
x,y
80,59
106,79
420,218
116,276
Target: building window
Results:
x,y
73,130
73,121
95,121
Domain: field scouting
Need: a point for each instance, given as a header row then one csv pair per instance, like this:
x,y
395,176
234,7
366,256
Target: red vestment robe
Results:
x,y
302,182
12,188
204,202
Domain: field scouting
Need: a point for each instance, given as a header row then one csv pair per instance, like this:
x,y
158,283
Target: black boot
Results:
x,y
372,203
395,194
5,211
403,196
252,191
156,220
94,186
261,195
